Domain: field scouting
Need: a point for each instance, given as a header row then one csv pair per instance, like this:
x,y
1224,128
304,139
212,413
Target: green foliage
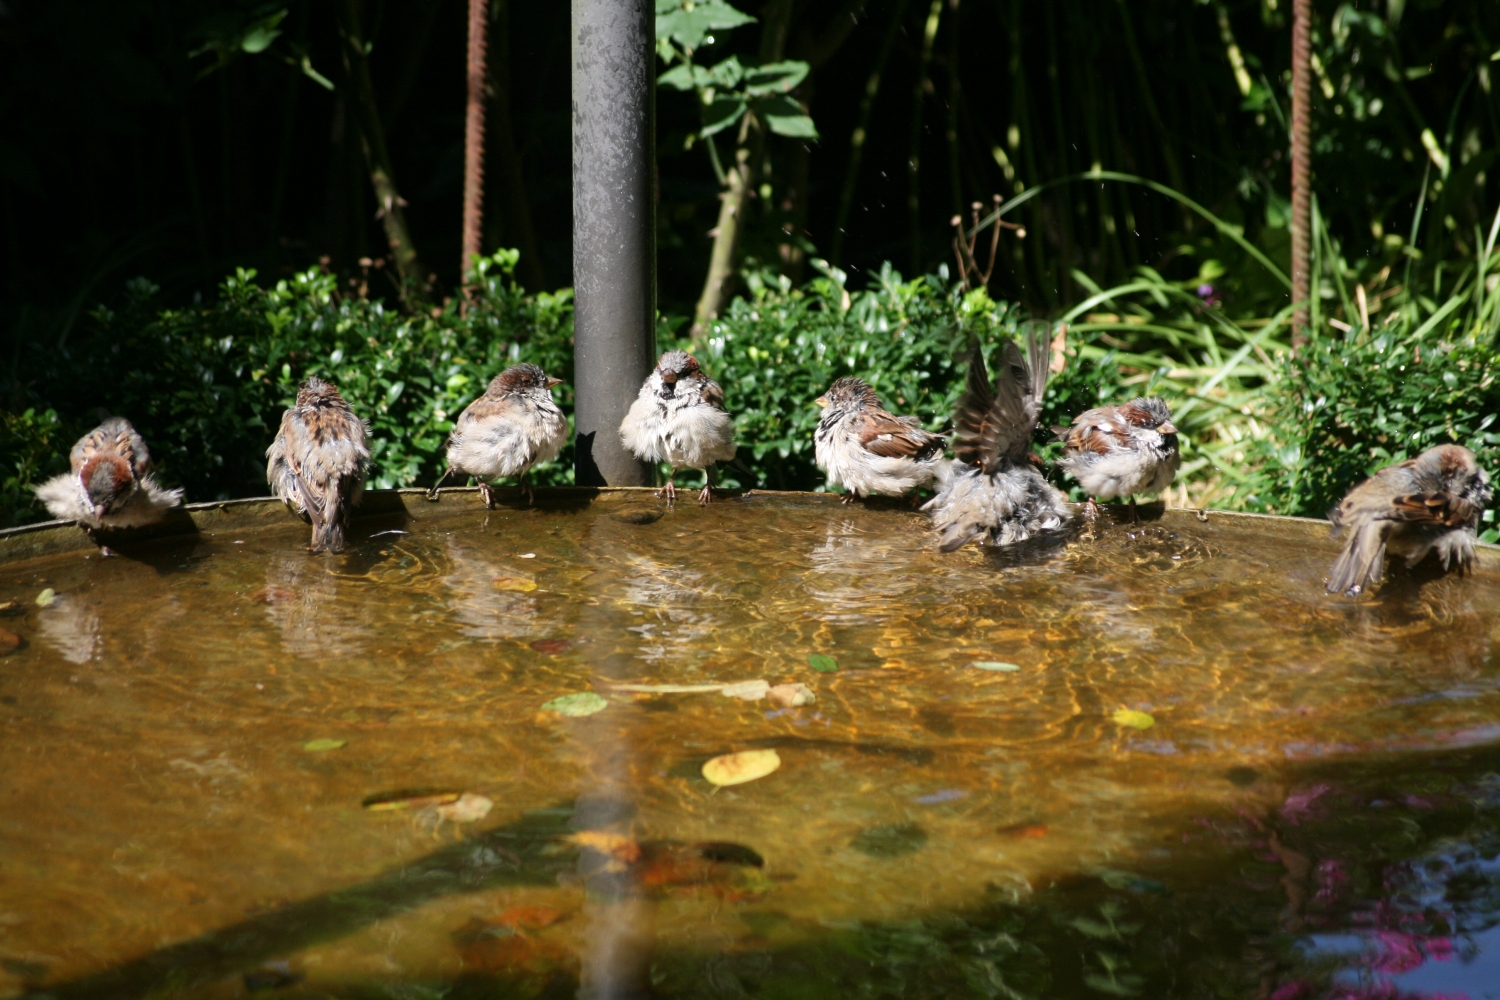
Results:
x,y
32,448
206,385
776,352
730,88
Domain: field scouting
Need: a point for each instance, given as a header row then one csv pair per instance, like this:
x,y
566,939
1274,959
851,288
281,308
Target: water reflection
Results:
x,y
491,595
72,628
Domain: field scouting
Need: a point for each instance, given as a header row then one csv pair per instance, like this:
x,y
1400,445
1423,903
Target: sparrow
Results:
x,y
1430,503
506,431
110,483
317,464
679,418
1117,451
991,492
866,449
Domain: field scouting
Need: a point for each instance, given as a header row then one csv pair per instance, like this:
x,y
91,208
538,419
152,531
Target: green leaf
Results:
x,y
679,77
724,111
726,74
785,116
394,392
775,78
688,28
823,663
1132,718
321,745
45,598
576,706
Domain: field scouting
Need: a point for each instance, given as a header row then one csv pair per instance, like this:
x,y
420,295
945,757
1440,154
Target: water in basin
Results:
x,y
1156,762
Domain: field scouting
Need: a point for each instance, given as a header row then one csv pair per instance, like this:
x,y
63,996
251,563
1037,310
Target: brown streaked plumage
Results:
x,y
1119,451
1430,503
110,483
318,462
868,450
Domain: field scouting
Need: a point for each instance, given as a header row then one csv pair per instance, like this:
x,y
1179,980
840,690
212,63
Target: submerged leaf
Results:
x,y
793,695
318,746
470,807
575,706
9,641
616,846
518,584
738,768
46,597
550,646
822,663
746,690
890,840
389,802
1008,668
1132,718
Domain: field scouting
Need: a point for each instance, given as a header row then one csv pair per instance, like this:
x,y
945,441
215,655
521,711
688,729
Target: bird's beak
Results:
x,y
1167,428
668,377
822,401
553,381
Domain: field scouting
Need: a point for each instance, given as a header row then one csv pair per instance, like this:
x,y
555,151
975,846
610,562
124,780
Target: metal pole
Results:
x,y
614,229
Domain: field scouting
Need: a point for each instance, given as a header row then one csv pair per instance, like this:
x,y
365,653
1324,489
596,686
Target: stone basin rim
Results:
x,y
54,537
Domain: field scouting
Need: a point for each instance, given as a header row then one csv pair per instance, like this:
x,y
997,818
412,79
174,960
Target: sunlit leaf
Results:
x,y
724,111
519,584
45,598
689,27
391,802
785,116
738,768
575,706
774,78
324,744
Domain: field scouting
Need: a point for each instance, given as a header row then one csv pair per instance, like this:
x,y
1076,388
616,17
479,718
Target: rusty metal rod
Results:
x,y
1301,165
474,140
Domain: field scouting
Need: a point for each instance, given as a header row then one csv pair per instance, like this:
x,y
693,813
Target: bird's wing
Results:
x,y
1436,508
1019,385
713,393
972,414
888,436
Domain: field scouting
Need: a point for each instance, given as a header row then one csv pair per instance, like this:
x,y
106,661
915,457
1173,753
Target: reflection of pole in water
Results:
x,y
616,964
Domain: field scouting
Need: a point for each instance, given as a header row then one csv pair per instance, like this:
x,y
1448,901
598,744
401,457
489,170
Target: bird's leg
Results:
x,y
708,485
1135,517
432,494
670,490
1091,510
526,490
848,497
485,495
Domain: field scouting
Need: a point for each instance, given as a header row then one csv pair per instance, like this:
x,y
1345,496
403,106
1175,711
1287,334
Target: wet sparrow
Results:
x,y
868,451
1118,451
679,419
991,493
506,431
317,463
110,483
1430,503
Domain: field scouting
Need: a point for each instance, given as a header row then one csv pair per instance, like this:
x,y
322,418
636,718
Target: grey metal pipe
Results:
x,y
614,229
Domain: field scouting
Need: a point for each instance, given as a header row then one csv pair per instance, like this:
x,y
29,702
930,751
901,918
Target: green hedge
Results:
x,y
206,384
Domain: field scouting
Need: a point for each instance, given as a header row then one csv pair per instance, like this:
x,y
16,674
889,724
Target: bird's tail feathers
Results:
x,y
1360,563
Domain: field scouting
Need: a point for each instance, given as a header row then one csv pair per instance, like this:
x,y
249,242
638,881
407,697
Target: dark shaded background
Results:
x,y
121,155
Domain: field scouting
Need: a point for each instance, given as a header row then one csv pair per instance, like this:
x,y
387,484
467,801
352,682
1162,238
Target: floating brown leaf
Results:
x,y
9,642
620,849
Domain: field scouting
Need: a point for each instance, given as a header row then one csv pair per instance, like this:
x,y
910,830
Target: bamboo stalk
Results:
x,y
473,144
1301,164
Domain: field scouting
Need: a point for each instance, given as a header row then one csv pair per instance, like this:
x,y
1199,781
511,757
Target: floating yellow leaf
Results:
x,y
46,597
614,845
576,706
390,803
738,768
520,584
318,746
1135,720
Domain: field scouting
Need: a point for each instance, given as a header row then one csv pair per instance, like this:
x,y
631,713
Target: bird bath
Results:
x,y
1157,762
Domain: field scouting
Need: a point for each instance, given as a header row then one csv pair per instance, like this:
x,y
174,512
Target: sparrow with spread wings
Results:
x,y
109,484
991,492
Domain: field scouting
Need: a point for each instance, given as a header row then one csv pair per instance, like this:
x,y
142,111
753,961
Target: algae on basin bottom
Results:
x,y
159,787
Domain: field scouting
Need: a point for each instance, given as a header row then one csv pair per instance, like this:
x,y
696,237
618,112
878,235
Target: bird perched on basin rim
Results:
x,y
1119,451
109,484
1430,503
318,462
506,431
679,418
990,492
866,449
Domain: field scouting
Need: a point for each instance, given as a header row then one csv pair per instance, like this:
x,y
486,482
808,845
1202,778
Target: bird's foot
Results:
x,y
848,498
705,496
487,495
668,492
1091,510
